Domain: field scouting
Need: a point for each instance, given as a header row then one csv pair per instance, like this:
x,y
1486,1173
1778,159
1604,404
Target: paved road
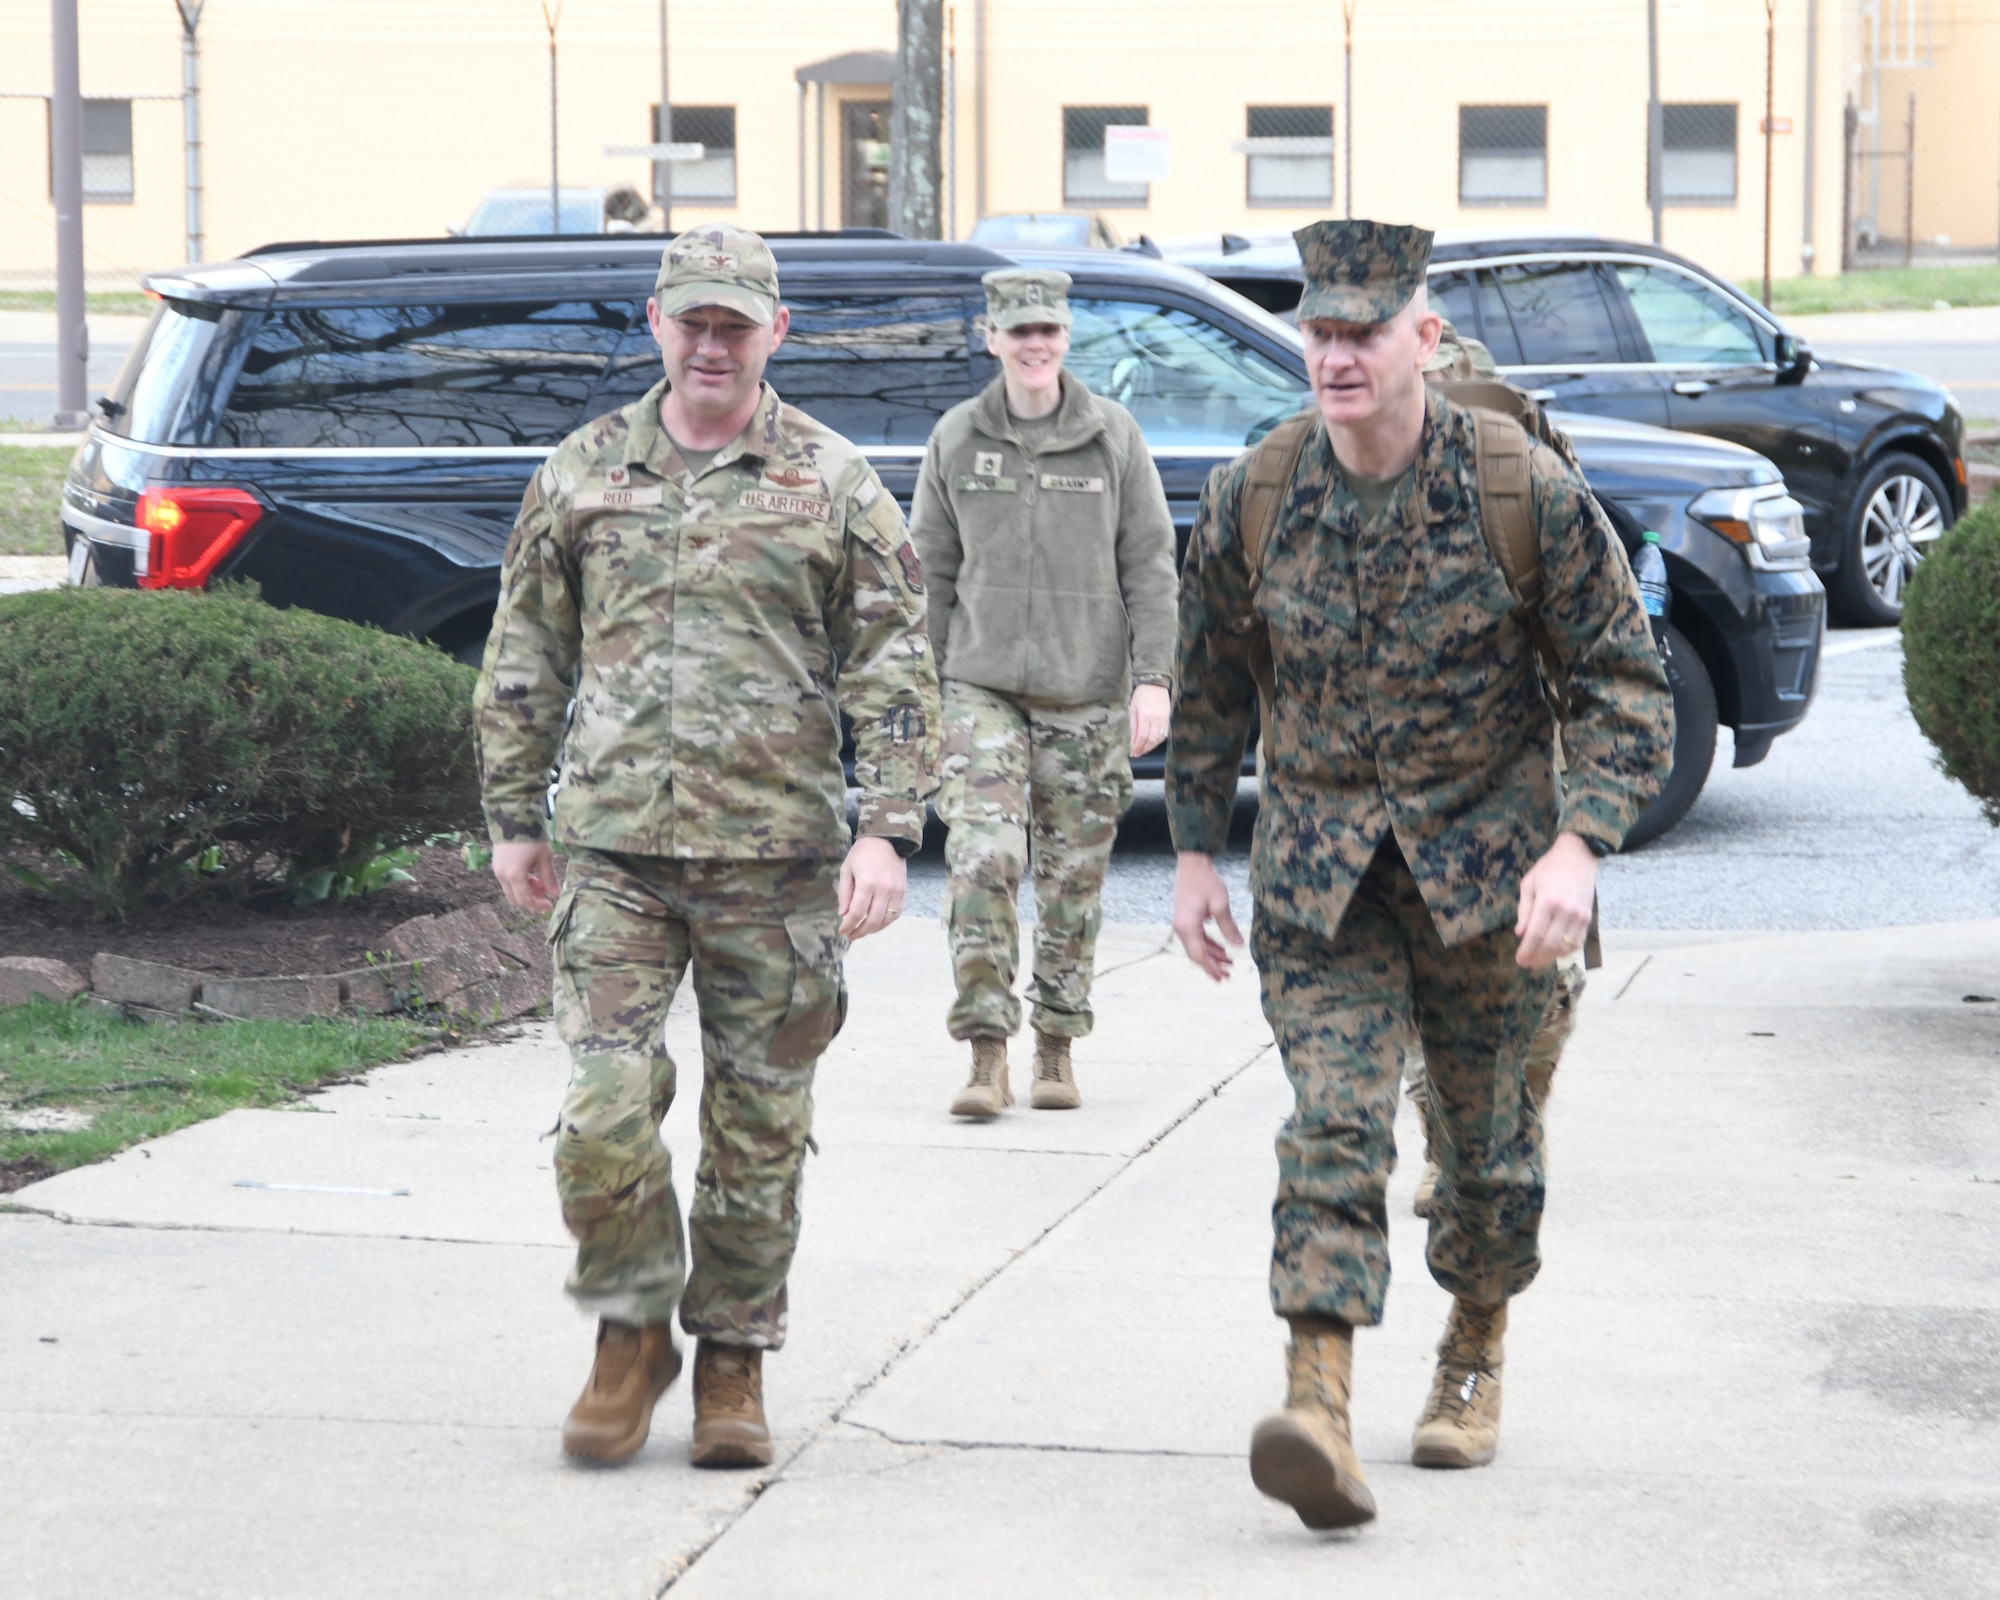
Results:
x,y
28,360
1846,824
1959,348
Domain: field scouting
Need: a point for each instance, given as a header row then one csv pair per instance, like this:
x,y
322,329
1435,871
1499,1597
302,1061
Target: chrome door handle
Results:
x,y
1691,387
1546,397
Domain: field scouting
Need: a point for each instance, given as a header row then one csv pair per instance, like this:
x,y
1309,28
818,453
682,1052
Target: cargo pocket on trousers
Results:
x,y
818,1005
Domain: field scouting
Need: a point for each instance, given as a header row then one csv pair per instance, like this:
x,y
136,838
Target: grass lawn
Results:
x,y
139,1080
30,490
133,304
1894,289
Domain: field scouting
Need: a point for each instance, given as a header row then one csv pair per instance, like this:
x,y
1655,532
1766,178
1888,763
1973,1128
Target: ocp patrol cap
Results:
x,y
1019,296
1360,271
716,265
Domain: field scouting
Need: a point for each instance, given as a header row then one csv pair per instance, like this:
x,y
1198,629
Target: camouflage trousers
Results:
x,y
1544,1052
763,940
1027,786
1343,1010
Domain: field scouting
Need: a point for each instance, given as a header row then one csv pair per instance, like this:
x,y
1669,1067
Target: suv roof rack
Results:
x,y
293,246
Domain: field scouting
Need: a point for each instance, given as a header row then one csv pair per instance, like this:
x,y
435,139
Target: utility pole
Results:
x,y
551,19
916,118
951,123
1347,107
190,11
1910,185
66,153
663,171
1808,249
1656,119
1770,129
979,108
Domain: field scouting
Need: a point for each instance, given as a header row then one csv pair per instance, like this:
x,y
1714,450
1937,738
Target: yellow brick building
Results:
x,y
391,118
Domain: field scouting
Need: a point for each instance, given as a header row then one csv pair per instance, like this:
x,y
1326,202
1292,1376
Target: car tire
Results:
x,y
1900,507
1695,724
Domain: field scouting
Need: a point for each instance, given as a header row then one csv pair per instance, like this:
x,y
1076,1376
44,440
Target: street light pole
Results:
x,y
1656,118
66,154
1770,128
663,171
551,19
1347,110
190,11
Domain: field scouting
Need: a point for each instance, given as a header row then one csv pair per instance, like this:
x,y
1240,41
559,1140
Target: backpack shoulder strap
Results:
x,y
1506,503
1273,464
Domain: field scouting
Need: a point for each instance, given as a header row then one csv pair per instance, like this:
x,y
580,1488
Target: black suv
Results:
x,y
1875,456
352,426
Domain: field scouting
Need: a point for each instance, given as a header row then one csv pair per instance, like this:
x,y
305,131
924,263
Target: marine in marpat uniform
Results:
x,y
1049,550
1417,865
713,577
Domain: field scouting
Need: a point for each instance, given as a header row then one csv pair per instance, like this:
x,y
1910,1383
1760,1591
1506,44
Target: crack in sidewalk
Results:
x,y
906,1347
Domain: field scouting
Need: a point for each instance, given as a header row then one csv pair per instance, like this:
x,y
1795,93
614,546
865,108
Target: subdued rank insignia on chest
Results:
x,y
971,485
913,569
814,508
986,463
634,498
1055,480
792,478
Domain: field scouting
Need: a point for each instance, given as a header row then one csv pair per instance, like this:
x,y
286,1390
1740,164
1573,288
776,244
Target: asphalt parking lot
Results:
x,y
1846,824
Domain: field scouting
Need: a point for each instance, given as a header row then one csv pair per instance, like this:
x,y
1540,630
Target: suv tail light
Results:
x,y
189,532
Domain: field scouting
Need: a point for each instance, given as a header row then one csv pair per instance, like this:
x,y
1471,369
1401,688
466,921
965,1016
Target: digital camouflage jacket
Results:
x,y
711,628
1408,694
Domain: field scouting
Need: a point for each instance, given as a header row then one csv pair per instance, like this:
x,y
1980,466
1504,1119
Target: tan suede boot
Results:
x,y
729,1426
634,1367
987,1093
1460,1426
1304,1455
1427,1187
1055,1085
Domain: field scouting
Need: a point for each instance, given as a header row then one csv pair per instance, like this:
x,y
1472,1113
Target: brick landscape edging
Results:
x,y
465,963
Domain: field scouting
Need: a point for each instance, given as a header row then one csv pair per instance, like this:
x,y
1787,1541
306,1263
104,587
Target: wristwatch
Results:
x,y
1599,847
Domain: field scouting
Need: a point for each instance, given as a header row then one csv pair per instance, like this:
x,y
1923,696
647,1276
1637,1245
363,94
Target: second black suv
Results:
x,y
1875,456
352,426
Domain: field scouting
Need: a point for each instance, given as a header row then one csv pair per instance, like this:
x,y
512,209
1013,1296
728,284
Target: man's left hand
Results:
x,y
1151,706
873,881
1556,899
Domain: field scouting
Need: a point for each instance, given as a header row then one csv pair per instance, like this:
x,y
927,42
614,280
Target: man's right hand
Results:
x,y
526,869
1199,899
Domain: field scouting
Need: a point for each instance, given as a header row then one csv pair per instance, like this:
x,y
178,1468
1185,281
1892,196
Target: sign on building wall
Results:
x,y
1135,155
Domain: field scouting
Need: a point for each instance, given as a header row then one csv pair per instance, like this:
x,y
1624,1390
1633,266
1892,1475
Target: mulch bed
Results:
x,y
262,939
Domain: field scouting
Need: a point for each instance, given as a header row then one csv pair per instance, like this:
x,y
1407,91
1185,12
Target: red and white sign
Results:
x,y
1775,125
1135,155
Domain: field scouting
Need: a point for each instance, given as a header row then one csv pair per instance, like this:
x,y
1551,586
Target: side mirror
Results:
x,y
1794,357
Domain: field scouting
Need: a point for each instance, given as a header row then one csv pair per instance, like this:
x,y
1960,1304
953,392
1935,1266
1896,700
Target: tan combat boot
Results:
x,y
987,1094
1055,1085
634,1367
1304,1454
729,1427
1427,1187
1460,1426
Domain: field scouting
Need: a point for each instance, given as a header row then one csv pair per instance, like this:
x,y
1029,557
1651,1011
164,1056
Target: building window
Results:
x,y
1290,155
1698,155
1084,181
1503,155
107,151
711,181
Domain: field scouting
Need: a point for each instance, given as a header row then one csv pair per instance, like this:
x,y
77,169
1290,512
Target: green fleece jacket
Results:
x,y
1051,570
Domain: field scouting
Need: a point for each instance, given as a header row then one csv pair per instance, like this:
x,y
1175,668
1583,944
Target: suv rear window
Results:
x,y
1559,314
877,369
430,376
159,391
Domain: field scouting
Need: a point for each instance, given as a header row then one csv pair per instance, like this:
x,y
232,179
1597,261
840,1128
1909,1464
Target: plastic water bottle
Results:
x,y
1650,568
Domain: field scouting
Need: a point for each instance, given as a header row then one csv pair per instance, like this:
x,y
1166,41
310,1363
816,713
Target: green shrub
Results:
x,y
180,743
1951,653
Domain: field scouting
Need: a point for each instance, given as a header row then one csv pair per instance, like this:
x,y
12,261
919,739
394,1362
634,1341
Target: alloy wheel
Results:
x,y
1901,521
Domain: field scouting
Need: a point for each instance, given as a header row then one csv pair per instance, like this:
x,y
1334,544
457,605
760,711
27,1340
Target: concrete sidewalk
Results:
x,y
1026,1357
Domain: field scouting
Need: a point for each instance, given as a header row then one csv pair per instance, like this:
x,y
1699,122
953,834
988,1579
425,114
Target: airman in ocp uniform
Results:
x,y
1417,865
712,577
1049,549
